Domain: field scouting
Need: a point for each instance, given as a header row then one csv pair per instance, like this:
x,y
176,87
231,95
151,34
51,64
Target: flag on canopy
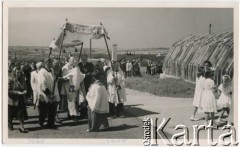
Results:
x,y
69,40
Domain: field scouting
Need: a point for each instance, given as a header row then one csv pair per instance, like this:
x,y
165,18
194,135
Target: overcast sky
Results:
x,y
127,27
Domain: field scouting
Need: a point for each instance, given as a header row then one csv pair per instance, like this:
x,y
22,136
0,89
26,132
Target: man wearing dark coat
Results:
x,y
87,69
27,72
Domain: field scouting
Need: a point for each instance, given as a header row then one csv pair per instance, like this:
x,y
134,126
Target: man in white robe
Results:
x,y
72,79
34,83
48,95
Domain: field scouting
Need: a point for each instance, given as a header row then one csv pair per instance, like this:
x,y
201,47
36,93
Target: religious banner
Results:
x,y
71,34
97,31
68,40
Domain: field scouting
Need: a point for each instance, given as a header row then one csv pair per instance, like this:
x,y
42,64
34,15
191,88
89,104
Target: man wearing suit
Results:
x,y
87,69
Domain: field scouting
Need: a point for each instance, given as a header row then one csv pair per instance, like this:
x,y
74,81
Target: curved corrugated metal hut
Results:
x,y
187,54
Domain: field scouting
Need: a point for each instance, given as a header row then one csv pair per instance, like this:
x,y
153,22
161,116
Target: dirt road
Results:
x,y
139,105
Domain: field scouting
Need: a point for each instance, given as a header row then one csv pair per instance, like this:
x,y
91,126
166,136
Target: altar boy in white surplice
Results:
x,y
98,107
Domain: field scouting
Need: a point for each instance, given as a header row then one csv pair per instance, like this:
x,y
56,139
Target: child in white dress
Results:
x,y
208,103
224,100
198,92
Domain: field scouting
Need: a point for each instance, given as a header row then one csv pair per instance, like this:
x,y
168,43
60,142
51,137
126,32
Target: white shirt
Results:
x,y
128,66
75,77
119,77
45,80
34,80
97,98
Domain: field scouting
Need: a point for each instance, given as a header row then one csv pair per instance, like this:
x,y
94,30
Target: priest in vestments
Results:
x,y
72,78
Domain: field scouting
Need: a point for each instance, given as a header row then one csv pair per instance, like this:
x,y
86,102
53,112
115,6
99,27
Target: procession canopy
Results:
x,y
72,34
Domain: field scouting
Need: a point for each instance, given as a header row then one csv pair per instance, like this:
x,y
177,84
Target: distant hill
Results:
x,y
36,49
37,53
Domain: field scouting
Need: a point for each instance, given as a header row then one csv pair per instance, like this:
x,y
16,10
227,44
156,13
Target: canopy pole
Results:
x,y
90,55
80,54
210,28
50,52
82,86
59,57
61,48
15,58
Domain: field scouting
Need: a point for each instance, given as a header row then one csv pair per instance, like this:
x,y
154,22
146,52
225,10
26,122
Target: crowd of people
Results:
x,y
211,99
95,92
130,68
82,90
153,68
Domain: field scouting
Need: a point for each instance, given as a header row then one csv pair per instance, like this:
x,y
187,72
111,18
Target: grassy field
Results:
x,y
167,87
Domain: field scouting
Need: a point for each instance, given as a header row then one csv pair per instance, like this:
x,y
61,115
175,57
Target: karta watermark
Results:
x,y
152,131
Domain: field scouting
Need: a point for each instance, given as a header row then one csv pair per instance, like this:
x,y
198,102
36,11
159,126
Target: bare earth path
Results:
x,y
139,105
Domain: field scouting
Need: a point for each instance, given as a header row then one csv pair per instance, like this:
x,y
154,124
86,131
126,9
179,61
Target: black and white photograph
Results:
x,y
114,74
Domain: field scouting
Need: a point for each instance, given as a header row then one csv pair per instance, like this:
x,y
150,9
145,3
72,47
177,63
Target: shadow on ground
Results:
x,y
133,111
120,128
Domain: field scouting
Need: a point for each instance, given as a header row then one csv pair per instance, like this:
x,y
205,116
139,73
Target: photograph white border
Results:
x,y
106,4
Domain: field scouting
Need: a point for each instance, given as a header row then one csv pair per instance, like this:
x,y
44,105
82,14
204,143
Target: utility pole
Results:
x,y
90,48
210,28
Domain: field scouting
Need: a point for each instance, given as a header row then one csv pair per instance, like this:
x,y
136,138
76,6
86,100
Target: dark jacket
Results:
x,y
14,85
87,69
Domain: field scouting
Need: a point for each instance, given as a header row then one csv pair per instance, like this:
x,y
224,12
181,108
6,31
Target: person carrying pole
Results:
x,y
117,93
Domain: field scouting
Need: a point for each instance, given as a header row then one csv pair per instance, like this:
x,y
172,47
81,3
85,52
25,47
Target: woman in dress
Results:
x,y
16,103
198,92
208,102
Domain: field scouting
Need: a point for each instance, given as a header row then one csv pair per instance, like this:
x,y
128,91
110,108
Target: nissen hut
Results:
x,y
186,55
